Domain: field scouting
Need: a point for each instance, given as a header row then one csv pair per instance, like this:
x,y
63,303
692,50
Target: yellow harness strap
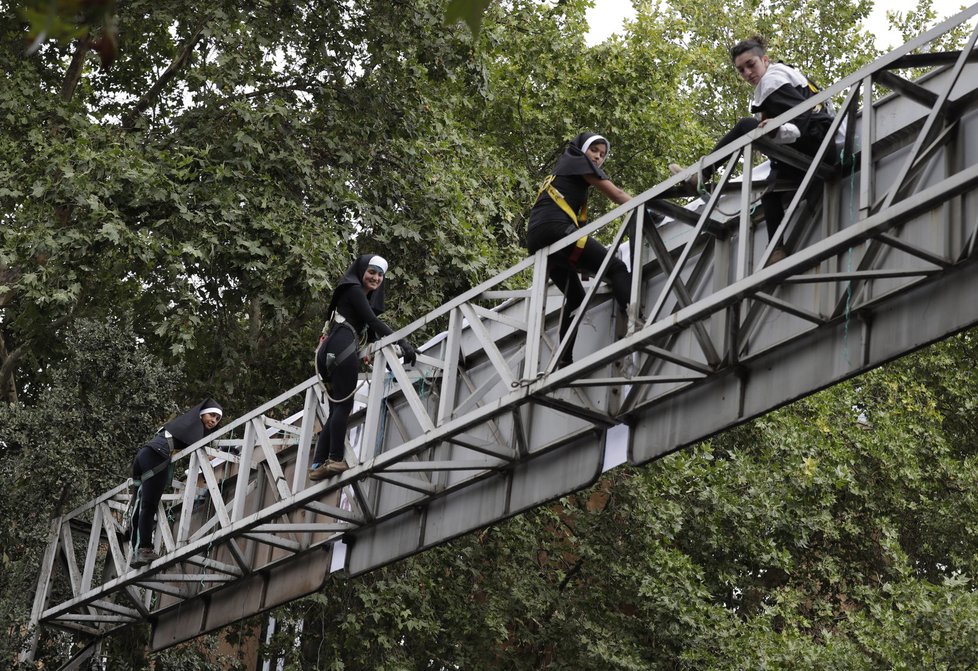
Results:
x,y
578,218
814,90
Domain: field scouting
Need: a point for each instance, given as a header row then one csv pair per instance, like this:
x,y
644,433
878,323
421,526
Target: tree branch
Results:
x,y
307,87
8,390
8,386
7,275
254,319
171,71
73,75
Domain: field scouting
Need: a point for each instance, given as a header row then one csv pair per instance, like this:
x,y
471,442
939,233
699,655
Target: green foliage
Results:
x,y
171,233
64,19
469,11
914,21
99,403
246,189
686,49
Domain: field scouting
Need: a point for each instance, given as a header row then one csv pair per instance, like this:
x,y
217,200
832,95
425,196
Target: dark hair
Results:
x,y
757,44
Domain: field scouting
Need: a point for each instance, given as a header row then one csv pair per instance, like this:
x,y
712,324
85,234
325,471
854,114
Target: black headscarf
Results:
x,y
354,276
187,428
575,162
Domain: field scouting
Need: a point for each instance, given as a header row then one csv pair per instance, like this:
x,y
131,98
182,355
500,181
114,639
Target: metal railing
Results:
x,y
487,410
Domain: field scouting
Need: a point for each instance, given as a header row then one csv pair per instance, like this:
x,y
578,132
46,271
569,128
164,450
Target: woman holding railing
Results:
x,y
559,210
352,322
152,471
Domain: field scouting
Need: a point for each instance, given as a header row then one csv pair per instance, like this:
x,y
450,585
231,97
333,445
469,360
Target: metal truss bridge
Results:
x,y
486,425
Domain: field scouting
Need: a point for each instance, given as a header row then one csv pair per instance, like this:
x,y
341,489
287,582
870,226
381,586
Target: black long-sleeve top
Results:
x,y
789,90
352,305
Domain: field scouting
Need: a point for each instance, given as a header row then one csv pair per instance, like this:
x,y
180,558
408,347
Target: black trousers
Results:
x,y
340,382
772,202
151,492
565,275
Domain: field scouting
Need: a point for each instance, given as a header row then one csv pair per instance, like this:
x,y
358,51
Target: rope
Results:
x,y
702,191
342,400
426,386
211,506
753,205
362,342
852,191
526,381
378,442
135,503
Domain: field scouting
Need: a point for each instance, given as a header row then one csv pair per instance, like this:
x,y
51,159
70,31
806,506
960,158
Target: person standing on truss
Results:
x,y
559,210
777,88
353,320
152,471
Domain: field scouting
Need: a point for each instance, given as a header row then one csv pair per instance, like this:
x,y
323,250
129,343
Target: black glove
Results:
x,y
408,352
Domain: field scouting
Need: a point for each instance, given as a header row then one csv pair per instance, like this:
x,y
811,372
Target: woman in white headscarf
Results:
x,y
560,209
357,301
151,471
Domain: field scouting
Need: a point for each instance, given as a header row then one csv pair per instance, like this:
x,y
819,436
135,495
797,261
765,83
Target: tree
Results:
x,y
206,196
798,540
101,400
201,195
219,194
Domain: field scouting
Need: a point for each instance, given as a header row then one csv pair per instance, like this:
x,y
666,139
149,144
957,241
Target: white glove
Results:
x,y
787,134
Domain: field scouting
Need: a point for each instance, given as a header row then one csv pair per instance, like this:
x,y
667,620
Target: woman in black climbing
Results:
x,y
151,471
560,209
357,300
778,87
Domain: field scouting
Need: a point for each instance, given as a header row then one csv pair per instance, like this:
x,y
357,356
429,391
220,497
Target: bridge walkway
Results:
x,y
486,425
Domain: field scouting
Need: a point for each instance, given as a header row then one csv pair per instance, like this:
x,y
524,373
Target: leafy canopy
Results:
x,y
172,224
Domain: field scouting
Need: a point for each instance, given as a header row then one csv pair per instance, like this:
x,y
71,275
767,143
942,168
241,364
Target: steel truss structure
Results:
x,y
487,425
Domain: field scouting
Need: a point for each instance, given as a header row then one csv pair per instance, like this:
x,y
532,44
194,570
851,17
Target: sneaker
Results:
x,y
143,556
690,185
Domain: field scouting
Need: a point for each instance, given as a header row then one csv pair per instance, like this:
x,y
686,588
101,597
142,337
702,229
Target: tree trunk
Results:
x,y
8,383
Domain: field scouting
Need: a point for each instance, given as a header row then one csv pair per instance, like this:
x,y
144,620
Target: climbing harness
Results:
x,y
332,361
813,89
579,218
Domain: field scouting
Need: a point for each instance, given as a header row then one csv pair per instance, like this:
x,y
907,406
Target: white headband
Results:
x,y
596,138
214,411
378,261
